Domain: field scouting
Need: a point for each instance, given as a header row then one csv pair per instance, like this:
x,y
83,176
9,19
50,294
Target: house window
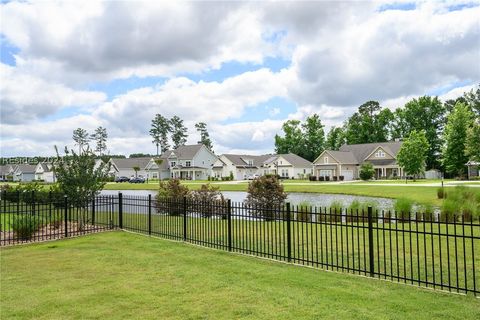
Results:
x,y
172,164
325,160
380,154
250,163
188,163
304,171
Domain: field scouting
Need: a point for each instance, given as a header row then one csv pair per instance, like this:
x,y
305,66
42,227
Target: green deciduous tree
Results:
x,y
313,136
413,153
79,177
366,171
179,132
136,169
160,128
458,123
370,124
425,113
292,139
81,139
204,136
472,145
335,138
100,137
305,139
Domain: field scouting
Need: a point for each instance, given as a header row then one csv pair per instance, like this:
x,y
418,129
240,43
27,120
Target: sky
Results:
x,y
244,68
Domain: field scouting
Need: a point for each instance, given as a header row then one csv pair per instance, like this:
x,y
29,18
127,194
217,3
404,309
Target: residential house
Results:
x,y
123,167
240,166
288,166
44,171
186,162
24,172
347,160
6,172
191,162
244,166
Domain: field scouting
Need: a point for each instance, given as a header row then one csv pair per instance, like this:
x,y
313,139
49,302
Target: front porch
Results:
x,y
190,173
387,172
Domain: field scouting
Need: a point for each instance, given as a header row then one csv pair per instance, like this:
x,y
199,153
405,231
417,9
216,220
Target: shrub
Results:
x,y
231,176
266,195
24,226
441,194
314,178
335,178
169,199
321,178
341,178
209,201
327,178
366,171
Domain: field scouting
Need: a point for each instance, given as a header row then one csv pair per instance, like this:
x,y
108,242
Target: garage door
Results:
x,y
348,174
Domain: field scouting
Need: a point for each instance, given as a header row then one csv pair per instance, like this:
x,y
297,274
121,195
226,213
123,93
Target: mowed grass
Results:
x,y
118,275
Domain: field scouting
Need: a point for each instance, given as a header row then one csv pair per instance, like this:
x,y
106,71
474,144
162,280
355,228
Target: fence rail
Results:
x,y
430,251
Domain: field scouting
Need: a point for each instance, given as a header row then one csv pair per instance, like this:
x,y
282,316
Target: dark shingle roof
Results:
x,y
361,151
26,168
186,152
241,160
343,156
296,160
129,163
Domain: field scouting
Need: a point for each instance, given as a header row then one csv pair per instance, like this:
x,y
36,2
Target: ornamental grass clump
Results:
x,y
358,211
403,208
304,211
24,226
334,212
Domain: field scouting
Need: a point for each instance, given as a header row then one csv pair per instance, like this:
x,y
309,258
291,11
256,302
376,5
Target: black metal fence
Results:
x,y
426,250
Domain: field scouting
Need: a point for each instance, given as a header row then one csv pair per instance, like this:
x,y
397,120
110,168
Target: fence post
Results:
x,y
370,242
120,210
229,224
289,234
65,209
93,210
184,218
149,214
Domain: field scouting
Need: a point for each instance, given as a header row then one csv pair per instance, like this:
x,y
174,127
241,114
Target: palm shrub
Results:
x,y
403,208
24,226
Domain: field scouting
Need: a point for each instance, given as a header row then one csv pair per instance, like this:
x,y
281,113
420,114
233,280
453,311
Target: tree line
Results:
x,y
163,128
450,128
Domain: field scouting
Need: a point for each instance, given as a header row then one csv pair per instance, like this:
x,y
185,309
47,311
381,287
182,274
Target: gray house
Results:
x,y
24,172
245,166
6,172
348,159
190,162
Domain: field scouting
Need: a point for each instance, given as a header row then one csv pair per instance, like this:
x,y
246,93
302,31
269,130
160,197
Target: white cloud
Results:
x,y
342,54
26,98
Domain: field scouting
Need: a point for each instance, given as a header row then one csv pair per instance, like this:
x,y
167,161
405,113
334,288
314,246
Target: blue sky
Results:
x,y
243,68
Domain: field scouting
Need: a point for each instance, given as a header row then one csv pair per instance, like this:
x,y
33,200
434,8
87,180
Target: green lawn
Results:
x,y
125,276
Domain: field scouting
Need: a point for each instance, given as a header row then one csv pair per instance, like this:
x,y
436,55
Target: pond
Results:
x,y
315,199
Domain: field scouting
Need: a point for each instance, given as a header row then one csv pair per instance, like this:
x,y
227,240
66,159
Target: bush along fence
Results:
x,y
439,252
